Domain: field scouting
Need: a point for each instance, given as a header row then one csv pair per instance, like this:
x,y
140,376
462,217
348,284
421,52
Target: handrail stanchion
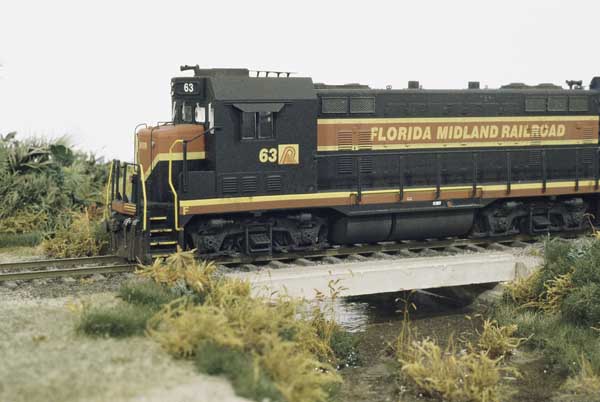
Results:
x,y
175,197
108,191
143,180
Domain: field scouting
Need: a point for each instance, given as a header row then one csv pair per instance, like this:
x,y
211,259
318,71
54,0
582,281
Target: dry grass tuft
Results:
x,y
452,375
497,341
586,383
78,239
522,290
290,344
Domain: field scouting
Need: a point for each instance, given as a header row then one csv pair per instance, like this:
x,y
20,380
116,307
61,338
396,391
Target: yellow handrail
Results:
x,y
143,178
175,199
108,188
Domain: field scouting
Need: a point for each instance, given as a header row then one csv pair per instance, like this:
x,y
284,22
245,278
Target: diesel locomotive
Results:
x,y
255,163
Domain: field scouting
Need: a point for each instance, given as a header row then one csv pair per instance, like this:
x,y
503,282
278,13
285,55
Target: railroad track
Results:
x,y
55,268
48,269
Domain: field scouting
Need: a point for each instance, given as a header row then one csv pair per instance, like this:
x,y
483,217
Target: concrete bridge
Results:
x,y
372,276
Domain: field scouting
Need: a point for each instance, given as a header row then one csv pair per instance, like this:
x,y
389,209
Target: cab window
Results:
x,y
259,125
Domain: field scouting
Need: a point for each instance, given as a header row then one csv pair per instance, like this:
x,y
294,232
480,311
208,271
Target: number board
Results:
x,y
191,87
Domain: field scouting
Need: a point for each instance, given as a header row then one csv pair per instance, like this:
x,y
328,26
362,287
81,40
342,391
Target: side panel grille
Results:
x,y
345,166
249,184
273,183
230,185
344,140
364,140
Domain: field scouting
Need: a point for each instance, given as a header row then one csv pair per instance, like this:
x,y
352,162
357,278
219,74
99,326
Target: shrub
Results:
x,y
586,384
20,240
582,305
146,293
248,380
498,340
452,376
120,320
289,343
77,239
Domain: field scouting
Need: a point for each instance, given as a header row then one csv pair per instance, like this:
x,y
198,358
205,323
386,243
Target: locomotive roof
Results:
x,y
258,88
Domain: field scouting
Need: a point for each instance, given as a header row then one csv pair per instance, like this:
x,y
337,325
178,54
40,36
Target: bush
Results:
x,y
20,240
582,305
247,379
498,340
77,239
287,342
452,376
120,320
146,293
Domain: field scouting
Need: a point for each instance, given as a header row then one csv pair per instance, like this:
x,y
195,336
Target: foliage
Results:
x,y
585,384
20,239
456,374
498,340
120,320
42,182
247,378
146,293
275,347
450,375
559,307
77,239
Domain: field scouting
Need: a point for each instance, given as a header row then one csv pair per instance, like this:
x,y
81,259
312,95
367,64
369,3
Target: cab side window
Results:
x,y
258,125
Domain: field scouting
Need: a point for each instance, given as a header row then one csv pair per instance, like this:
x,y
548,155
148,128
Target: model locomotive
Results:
x,y
269,163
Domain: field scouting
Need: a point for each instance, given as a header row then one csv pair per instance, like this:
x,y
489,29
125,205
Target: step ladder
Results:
x,y
162,237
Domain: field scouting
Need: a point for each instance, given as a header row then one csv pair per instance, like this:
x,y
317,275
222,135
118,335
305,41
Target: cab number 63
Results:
x,y
267,155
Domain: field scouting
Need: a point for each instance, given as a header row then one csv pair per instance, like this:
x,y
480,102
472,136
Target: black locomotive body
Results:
x,y
276,163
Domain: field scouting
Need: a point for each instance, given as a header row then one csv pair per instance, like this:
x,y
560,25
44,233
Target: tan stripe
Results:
x,y
441,120
332,148
175,156
324,199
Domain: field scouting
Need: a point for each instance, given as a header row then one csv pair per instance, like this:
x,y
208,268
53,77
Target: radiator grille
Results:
x,y
578,104
362,105
335,105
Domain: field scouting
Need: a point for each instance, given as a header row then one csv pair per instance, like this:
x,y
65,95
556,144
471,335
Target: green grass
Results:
x,y
562,342
118,321
20,239
345,347
238,367
146,293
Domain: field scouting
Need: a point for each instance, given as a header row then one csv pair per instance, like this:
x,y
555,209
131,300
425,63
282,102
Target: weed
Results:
x,y
582,305
146,293
586,383
497,340
117,321
247,378
78,239
288,343
450,375
20,239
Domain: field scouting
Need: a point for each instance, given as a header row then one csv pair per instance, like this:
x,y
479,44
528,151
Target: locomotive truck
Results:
x,y
265,163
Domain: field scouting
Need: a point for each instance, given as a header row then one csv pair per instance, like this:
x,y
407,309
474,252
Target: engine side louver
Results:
x,y
249,184
273,183
230,185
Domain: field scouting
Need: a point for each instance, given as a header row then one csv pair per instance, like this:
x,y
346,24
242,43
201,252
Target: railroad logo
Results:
x,y
288,154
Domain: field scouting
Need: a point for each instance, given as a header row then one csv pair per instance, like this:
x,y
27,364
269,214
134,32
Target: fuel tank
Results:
x,y
405,226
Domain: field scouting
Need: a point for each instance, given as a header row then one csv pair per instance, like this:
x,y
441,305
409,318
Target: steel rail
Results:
x,y
81,271
62,263
392,247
